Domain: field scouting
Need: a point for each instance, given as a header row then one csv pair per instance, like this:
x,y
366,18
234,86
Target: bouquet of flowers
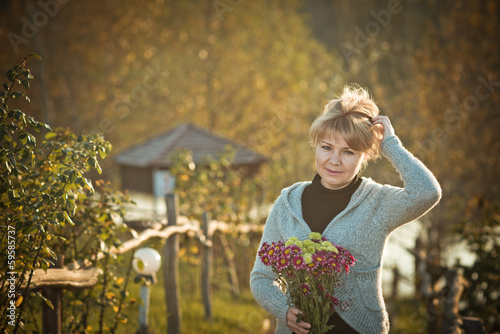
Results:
x,y
309,270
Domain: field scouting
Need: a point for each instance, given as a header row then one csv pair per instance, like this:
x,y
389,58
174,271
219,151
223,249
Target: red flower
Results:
x,y
298,262
282,263
306,289
266,259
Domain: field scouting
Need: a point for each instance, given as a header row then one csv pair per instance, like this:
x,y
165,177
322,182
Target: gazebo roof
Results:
x,y
155,151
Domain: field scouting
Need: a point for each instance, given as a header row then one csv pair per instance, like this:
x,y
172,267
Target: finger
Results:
x,y
384,124
300,330
380,119
298,327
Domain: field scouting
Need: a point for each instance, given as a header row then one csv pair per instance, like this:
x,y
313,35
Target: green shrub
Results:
x,y
50,210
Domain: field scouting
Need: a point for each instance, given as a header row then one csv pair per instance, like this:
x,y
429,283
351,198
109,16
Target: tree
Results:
x,y
462,79
250,70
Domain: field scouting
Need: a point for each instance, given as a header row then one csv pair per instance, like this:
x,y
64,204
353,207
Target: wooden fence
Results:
x,y
81,276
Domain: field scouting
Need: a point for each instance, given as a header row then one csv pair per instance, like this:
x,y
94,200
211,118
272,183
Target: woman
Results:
x,y
354,212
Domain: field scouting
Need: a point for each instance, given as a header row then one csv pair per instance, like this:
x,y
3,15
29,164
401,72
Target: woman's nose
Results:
x,y
334,159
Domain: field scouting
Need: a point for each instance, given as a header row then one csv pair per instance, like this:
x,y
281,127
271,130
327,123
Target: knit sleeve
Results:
x,y
265,289
421,190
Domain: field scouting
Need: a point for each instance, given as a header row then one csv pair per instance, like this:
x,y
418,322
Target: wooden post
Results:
x,y
170,269
455,285
144,309
473,325
396,277
206,269
231,267
52,317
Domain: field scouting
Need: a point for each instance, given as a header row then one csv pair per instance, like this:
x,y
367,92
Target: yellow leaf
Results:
x,y
120,280
19,301
50,135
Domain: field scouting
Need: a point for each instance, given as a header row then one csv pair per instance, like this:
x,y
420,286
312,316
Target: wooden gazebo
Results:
x,y
140,163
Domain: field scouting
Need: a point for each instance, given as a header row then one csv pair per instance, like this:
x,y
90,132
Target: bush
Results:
x,y
50,210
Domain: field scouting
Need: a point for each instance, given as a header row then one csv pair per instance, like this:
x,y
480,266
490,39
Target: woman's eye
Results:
x,y
349,152
326,148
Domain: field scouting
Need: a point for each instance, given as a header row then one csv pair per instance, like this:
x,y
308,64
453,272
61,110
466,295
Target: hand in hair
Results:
x,y
384,124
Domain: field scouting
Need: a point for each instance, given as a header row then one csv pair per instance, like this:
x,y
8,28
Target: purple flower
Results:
x,y
263,249
311,267
295,249
319,258
333,301
266,259
282,263
306,289
298,262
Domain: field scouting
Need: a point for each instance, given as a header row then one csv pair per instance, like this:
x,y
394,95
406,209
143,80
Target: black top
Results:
x,y
319,206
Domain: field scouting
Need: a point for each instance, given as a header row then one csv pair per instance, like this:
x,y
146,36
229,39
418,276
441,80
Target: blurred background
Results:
x,y
258,72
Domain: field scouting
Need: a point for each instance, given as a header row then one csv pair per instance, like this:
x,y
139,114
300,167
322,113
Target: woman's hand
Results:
x,y
385,124
291,320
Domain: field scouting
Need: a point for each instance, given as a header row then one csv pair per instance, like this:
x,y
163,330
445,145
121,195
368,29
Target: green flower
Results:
x,y
307,258
299,244
291,241
332,249
315,236
308,243
326,243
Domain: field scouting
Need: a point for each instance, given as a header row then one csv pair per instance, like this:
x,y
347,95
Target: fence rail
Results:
x,y
84,276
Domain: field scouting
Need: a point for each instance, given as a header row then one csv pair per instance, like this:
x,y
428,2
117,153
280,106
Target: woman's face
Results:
x,y
336,162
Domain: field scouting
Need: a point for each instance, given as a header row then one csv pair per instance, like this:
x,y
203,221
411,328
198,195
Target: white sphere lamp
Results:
x,y
146,261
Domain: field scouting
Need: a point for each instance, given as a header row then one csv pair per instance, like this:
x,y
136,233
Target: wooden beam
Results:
x,y
184,225
164,234
64,278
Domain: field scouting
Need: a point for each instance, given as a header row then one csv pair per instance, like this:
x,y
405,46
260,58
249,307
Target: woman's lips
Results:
x,y
333,172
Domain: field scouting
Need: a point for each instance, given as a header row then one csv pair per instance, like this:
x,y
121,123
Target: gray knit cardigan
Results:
x,y
363,227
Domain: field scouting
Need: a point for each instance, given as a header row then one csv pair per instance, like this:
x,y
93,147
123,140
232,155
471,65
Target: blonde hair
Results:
x,y
350,116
